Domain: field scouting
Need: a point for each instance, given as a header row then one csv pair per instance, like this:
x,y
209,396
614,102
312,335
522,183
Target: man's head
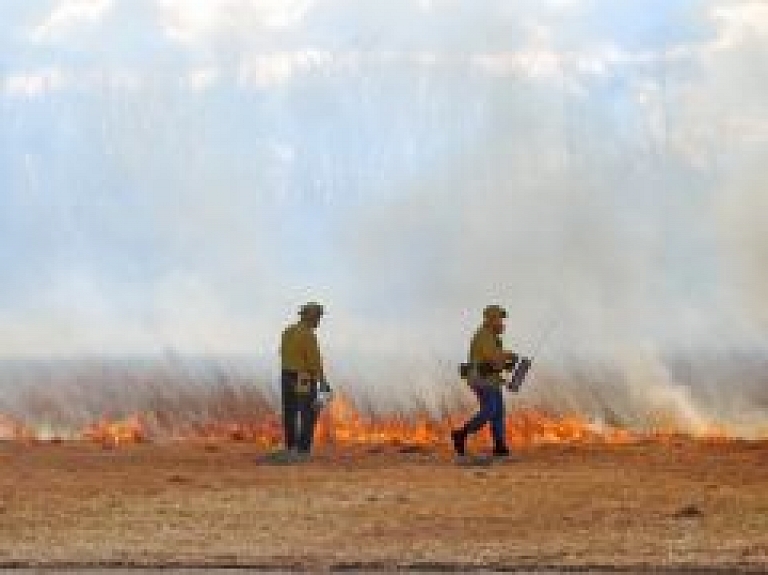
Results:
x,y
493,317
310,313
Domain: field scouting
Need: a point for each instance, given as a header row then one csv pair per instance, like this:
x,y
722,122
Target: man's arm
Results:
x,y
511,358
313,358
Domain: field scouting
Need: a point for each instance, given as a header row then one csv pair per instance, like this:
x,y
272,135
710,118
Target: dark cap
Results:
x,y
313,309
495,312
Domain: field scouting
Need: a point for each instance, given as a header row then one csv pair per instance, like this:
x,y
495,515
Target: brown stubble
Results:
x,y
679,504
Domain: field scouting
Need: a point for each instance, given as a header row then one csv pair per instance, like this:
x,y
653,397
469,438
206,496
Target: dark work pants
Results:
x,y
299,414
491,410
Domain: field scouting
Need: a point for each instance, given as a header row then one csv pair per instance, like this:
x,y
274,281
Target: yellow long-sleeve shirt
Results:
x,y
486,347
300,352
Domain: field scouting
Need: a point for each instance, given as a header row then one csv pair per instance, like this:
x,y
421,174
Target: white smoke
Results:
x,y
405,163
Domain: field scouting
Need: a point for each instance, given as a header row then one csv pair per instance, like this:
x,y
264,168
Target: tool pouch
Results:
x,y
303,384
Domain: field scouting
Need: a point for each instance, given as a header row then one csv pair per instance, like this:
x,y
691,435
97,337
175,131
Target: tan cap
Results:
x,y
494,311
312,309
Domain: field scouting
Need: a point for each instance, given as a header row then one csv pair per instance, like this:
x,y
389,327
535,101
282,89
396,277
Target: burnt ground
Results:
x,y
678,504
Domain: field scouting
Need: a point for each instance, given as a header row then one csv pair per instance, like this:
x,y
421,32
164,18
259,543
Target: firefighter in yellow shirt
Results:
x,y
487,359
302,372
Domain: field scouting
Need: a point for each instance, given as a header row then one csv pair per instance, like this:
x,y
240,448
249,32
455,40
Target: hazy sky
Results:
x,y
184,173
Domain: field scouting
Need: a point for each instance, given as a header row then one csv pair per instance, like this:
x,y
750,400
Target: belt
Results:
x,y
478,368
302,385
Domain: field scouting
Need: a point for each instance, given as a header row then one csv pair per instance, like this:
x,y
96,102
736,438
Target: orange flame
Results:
x,y
114,433
12,429
344,425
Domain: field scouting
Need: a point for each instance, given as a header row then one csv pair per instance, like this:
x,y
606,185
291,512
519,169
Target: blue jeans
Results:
x,y
491,410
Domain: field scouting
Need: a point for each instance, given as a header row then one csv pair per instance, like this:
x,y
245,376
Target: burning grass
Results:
x,y
342,424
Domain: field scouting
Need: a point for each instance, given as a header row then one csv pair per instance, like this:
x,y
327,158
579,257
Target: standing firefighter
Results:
x,y
487,361
302,374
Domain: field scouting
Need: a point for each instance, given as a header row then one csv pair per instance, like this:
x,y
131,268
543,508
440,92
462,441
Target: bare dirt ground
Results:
x,y
673,505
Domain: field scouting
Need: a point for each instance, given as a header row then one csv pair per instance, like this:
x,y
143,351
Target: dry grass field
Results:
x,y
677,504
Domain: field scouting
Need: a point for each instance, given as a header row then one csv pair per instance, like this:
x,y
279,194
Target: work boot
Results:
x,y
501,451
459,439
